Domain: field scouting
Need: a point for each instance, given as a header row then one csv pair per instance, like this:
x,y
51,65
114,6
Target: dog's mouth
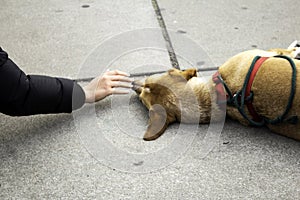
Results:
x,y
138,86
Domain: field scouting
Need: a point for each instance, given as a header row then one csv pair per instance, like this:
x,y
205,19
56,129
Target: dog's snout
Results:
x,y
137,86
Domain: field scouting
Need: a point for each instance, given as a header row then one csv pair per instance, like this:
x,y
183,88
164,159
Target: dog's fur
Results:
x,y
183,97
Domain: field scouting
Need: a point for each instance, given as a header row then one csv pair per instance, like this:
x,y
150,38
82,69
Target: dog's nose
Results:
x,y
137,86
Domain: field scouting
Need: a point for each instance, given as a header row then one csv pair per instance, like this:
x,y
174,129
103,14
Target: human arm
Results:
x,y
22,94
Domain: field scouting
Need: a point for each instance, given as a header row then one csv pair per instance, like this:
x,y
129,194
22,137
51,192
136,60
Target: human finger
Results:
x,y
121,78
120,91
121,84
117,72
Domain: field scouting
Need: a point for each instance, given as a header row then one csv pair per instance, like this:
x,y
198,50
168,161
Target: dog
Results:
x,y
181,96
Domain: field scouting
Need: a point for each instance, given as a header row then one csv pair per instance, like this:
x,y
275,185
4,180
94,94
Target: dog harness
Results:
x,y
244,97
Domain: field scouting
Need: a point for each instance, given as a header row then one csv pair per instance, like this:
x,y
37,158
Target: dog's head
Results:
x,y
161,95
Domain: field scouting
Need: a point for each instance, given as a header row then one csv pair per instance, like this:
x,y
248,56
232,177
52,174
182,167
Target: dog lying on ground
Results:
x,y
273,97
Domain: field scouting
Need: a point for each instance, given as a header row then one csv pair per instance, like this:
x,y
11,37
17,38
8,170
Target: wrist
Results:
x,y
89,95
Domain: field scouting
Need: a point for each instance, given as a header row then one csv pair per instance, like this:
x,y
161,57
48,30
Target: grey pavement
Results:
x,y
97,152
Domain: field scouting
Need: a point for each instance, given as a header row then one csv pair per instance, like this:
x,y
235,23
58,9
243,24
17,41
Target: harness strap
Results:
x,y
221,95
293,119
249,104
245,96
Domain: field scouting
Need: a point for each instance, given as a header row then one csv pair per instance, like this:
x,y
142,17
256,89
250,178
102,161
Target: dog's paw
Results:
x,y
295,48
297,53
294,44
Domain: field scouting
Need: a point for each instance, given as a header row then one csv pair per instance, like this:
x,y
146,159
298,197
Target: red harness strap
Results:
x,y
221,95
249,104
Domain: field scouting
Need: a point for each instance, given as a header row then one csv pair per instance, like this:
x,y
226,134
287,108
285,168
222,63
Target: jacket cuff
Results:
x,y
78,96
73,95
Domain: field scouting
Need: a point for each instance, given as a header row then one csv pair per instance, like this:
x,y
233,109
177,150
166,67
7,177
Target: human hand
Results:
x,y
111,82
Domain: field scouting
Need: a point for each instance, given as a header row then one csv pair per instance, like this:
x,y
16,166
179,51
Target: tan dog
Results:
x,y
183,97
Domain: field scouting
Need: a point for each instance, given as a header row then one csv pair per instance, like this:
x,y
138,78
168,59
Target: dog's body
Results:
x,y
271,88
181,96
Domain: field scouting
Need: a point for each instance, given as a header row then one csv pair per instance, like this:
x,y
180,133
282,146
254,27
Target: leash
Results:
x,y
148,74
245,95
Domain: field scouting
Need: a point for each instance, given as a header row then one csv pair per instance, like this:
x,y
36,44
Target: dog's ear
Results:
x,y
158,122
189,73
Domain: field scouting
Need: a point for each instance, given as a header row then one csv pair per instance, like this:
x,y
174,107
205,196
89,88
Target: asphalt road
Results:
x,y
97,152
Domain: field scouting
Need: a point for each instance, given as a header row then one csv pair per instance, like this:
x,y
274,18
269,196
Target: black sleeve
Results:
x,y
22,94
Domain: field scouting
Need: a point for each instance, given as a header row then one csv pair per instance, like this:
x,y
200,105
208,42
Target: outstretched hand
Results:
x,y
111,82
